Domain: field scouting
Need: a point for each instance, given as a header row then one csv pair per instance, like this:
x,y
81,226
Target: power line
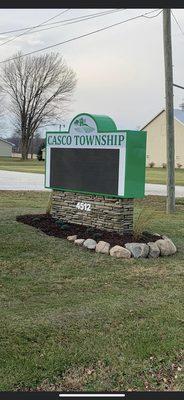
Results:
x,y
78,20
175,19
178,86
77,37
42,23
58,22
177,22
73,21
153,16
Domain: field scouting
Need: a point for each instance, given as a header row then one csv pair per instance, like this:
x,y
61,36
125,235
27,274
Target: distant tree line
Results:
x,y
34,147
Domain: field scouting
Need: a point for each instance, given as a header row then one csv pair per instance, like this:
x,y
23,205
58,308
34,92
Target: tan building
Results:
x,y
156,139
5,148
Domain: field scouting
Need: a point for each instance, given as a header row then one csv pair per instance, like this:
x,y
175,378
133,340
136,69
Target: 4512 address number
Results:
x,y
83,206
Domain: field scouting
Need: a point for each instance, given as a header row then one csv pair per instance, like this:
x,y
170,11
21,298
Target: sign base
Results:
x,y
110,214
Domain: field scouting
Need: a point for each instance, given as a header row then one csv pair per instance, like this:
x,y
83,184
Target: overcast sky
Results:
x,y
120,71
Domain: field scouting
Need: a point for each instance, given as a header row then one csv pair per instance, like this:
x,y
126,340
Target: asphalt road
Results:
x,y
10,180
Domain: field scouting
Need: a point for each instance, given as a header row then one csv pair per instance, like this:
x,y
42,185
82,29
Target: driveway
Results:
x,y
161,190
10,180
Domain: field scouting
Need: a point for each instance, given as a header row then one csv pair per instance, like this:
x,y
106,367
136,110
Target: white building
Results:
x,y
5,148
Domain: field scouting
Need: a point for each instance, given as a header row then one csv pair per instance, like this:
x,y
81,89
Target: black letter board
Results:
x,y
89,170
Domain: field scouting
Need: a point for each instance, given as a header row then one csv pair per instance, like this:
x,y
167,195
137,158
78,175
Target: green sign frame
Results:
x,y
92,131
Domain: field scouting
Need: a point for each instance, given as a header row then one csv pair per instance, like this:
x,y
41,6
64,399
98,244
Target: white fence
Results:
x,y
18,155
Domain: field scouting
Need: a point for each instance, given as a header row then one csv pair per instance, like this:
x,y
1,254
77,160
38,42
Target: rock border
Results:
x,y
162,247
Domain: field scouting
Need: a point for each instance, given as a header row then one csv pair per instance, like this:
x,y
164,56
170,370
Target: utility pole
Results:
x,y
169,110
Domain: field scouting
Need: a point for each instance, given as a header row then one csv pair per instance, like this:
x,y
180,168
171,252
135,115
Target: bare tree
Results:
x,y
38,88
2,109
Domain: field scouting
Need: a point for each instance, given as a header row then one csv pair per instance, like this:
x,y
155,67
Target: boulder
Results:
x,y
138,250
166,246
79,242
165,237
72,238
102,247
154,250
120,252
90,244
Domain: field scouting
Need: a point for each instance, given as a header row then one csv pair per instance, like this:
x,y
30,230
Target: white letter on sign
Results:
x,y
83,206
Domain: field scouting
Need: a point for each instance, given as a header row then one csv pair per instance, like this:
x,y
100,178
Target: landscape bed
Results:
x,y
60,229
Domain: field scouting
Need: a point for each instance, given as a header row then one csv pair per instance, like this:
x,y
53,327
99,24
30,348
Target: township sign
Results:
x,y
93,157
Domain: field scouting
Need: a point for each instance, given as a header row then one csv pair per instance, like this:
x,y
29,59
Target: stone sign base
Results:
x,y
110,214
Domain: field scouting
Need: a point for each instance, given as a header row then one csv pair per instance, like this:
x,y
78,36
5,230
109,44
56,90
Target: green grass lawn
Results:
x,y
17,164
153,175
76,320
158,175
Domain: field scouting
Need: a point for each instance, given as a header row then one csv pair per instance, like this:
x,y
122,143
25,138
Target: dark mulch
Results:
x,y
61,229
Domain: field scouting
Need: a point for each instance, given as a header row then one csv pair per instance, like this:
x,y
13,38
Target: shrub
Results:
x,y
151,164
97,236
39,154
62,225
39,157
164,165
65,227
59,222
89,230
179,165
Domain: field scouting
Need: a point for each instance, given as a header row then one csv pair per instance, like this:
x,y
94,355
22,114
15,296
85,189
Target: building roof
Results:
x,y
178,114
152,119
3,140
